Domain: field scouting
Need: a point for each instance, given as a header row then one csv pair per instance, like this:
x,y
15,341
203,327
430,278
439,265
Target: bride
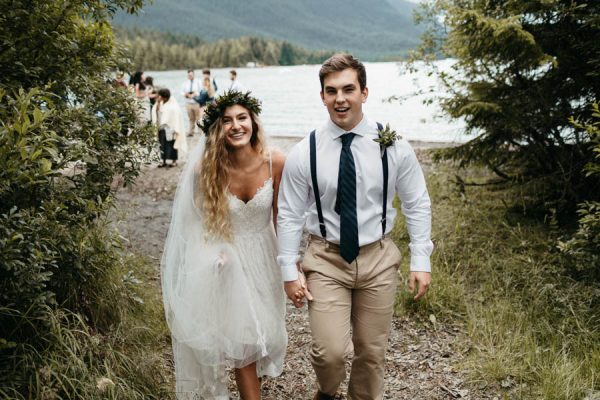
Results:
x,y
222,290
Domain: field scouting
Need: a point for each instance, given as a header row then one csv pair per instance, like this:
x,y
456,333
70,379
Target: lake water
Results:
x,y
292,105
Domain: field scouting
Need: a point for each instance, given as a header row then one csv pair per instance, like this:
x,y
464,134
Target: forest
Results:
x,y
152,50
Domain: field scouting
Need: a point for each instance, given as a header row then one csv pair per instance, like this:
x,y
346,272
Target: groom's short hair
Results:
x,y
340,62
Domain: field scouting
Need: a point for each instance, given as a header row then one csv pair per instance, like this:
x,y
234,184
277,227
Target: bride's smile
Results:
x,y
237,125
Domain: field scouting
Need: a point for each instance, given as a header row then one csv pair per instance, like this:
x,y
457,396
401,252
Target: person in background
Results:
x,y
207,94
120,79
206,74
136,83
190,88
235,83
166,115
138,88
151,92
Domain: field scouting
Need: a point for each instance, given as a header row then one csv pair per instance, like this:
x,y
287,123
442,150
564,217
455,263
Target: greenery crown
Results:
x,y
232,97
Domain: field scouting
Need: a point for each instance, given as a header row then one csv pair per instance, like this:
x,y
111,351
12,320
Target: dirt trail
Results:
x,y
420,359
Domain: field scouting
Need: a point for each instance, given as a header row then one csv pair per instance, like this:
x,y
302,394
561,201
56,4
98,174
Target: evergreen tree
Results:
x,y
286,56
523,69
160,51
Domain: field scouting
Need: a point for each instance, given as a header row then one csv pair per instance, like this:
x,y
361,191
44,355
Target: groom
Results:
x,y
333,181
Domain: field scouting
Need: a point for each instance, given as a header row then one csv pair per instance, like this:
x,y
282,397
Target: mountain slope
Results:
x,y
370,29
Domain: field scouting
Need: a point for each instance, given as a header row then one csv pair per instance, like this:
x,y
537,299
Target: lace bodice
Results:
x,y
255,215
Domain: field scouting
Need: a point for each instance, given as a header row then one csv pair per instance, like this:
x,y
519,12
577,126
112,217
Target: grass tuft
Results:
x,y
118,353
531,329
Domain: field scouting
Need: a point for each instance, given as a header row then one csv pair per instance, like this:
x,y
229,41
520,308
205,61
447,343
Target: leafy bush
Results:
x,y
67,135
54,186
584,246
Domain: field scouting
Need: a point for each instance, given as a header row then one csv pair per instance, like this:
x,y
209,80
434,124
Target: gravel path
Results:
x,y
420,359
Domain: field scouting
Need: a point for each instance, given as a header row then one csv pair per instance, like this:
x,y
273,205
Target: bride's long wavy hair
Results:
x,y
214,176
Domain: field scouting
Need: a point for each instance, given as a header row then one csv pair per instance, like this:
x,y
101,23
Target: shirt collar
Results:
x,y
362,129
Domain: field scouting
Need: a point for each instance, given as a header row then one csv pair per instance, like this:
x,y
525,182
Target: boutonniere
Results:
x,y
386,138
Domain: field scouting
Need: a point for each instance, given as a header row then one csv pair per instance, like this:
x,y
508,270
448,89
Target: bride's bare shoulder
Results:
x,y
278,159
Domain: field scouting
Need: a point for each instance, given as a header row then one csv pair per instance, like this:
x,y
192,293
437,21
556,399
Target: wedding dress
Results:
x,y
224,302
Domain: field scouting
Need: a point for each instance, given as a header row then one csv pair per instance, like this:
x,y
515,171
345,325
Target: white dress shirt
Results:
x,y
296,204
236,85
190,86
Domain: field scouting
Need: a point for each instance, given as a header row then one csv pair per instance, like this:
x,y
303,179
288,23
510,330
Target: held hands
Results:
x,y
422,279
297,290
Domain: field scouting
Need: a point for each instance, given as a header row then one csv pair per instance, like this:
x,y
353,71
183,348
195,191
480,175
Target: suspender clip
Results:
x,y
323,231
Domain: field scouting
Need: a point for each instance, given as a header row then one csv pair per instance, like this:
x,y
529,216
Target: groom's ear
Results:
x,y
322,96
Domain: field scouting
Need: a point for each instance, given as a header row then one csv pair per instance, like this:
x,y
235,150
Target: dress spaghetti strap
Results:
x,y
270,165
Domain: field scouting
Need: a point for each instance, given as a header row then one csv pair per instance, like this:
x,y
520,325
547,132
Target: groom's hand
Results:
x,y
422,279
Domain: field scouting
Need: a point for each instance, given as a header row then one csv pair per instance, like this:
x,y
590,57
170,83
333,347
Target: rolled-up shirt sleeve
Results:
x,y
416,206
291,215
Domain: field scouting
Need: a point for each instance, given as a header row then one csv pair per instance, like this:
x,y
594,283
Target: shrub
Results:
x,y
66,135
583,248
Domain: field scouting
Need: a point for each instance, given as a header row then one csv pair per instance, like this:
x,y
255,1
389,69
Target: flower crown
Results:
x,y
230,98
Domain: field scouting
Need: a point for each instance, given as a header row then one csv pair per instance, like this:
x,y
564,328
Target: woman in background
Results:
x,y
206,95
138,88
151,92
166,115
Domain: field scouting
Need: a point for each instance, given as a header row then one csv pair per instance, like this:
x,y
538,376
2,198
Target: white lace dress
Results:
x,y
256,246
237,309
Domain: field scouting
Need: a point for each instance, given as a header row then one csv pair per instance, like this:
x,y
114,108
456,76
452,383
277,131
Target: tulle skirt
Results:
x,y
229,312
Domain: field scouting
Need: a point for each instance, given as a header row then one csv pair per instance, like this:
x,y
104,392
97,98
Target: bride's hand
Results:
x,y
305,290
221,260
297,290
294,292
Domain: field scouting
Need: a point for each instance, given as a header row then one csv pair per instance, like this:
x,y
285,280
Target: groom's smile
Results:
x,y
343,98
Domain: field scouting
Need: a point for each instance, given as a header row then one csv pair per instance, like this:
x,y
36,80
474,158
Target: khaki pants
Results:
x,y
193,112
359,297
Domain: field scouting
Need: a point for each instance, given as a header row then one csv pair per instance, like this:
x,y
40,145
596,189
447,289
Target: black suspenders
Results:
x,y
384,163
313,175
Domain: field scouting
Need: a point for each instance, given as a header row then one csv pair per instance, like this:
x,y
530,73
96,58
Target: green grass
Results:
x,y
532,329
121,354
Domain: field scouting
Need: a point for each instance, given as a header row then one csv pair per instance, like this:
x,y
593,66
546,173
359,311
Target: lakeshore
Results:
x,y
292,105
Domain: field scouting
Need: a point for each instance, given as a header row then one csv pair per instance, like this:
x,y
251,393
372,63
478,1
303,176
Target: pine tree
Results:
x,y
523,69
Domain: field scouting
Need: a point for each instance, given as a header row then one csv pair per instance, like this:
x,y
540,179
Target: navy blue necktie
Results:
x,y
345,204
